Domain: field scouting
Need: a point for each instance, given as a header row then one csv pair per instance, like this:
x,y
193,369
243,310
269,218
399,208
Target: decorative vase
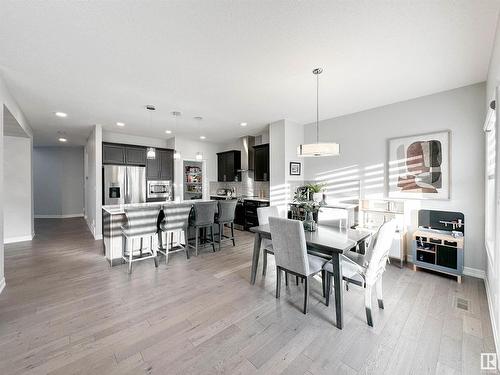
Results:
x,y
317,197
309,223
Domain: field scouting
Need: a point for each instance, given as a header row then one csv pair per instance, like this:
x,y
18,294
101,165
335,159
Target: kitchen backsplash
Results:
x,y
247,187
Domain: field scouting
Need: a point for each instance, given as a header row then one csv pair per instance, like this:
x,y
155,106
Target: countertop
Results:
x,y
256,199
119,209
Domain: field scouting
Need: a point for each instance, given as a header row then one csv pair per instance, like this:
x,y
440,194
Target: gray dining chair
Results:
x,y
290,252
175,221
203,219
141,223
225,215
368,273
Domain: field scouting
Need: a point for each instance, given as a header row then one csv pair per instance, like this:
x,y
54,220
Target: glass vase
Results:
x,y
309,223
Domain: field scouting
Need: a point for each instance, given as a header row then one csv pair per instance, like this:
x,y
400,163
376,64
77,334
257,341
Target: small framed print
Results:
x,y
295,168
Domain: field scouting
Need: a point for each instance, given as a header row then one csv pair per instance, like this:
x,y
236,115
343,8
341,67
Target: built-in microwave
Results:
x,y
160,189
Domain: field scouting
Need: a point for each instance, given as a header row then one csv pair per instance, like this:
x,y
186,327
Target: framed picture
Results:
x,y
419,166
295,168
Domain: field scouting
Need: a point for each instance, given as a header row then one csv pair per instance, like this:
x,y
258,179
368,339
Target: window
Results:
x,y
490,206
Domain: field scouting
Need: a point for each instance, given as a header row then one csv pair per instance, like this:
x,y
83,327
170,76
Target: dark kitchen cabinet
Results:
x,y
113,154
261,162
228,164
162,166
135,155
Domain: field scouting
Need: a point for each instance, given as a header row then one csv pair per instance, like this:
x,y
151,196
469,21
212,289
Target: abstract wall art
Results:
x,y
419,166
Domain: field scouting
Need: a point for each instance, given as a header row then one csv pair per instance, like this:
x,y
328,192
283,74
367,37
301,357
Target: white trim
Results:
x,y
475,272
92,230
58,216
492,315
2,284
17,239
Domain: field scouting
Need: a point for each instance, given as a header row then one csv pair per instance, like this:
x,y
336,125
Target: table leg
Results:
x,y
255,257
362,247
339,290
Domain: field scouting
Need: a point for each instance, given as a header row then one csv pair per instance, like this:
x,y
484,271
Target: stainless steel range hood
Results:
x,y
246,147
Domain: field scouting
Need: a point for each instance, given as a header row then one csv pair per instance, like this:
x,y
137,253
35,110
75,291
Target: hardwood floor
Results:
x,y
65,311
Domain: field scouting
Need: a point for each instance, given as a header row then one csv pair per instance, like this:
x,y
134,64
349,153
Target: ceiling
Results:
x,y
229,62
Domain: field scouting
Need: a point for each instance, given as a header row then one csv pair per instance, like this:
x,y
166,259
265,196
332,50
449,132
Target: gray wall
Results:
x,y
58,181
363,140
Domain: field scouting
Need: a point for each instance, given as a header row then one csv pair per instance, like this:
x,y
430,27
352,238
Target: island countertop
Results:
x,y
119,209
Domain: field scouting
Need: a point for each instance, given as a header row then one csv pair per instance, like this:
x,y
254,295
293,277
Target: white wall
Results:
x,y
7,100
128,139
58,181
363,144
93,182
18,189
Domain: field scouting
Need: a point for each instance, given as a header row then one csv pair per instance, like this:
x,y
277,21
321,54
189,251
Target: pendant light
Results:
x,y
176,114
151,151
199,154
318,149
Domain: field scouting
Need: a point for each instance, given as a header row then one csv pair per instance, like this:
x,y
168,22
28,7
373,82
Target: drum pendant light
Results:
x,y
318,149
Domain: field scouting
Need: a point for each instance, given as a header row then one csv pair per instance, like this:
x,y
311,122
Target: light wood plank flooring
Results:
x,y
65,311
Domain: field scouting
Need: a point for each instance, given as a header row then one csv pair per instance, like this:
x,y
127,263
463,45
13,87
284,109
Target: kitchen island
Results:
x,y
113,217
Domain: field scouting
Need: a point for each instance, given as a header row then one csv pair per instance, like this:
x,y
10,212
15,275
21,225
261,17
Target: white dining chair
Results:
x,y
290,253
263,215
369,274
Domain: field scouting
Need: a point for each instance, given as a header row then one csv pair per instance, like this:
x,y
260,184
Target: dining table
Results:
x,y
326,240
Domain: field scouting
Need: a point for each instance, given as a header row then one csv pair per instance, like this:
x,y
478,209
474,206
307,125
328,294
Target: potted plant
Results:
x,y
315,191
309,207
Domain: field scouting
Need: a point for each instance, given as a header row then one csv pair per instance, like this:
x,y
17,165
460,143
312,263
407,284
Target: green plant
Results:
x,y
315,188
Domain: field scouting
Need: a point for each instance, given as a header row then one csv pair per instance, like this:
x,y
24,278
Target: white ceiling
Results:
x,y
229,62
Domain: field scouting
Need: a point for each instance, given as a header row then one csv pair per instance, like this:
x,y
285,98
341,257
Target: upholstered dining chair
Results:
x,y
263,214
141,223
369,273
290,252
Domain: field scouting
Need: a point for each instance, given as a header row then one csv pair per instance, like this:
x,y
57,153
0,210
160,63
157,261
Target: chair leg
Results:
x,y
296,280
378,286
368,305
142,244
306,294
171,239
323,282
153,250
129,260
328,288
264,263
160,240
197,231
166,251
286,278
221,229
232,233
186,246
278,282
212,238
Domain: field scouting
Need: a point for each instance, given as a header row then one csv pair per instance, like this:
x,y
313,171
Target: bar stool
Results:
x,y
175,220
225,215
203,218
141,223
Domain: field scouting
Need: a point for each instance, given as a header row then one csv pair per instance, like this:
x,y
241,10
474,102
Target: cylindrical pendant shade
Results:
x,y
318,149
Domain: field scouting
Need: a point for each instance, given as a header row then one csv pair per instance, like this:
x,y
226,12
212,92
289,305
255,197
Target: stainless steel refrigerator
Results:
x,y
124,184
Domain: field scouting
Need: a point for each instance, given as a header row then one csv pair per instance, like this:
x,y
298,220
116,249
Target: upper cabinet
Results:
x,y
261,162
228,164
161,167
135,155
122,154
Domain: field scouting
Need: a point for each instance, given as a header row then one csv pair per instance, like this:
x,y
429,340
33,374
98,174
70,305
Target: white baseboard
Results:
x,y
474,272
57,216
492,314
17,239
92,230
2,284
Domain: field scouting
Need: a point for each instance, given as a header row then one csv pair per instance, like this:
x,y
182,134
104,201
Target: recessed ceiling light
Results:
x,y
120,124
202,137
243,124
151,107
199,118
63,140
61,114
168,131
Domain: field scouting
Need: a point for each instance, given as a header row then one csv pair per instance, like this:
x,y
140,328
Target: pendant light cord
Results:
x,y
317,108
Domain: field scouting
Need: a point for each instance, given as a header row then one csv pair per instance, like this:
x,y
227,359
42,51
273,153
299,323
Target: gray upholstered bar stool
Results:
x,y
290,253
175,220
225,215
203,218
141,223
